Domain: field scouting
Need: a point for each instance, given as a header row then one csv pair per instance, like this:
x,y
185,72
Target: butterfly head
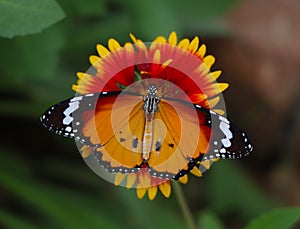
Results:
x,y
152,90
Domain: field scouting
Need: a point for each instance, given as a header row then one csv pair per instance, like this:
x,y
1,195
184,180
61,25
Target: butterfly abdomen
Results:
x,y
147,139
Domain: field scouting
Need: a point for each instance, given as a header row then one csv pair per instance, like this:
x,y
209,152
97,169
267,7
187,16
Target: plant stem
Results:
x,y
183,205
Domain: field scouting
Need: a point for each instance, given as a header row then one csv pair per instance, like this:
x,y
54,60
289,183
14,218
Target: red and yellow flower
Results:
x,y
115,68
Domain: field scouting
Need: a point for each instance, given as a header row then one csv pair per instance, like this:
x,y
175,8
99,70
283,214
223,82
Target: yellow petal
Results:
x,y
201,51
200,97
94,59
131,178
154,46
119,177
75,88
156,58
184,44
196,172
129,51
222,86
206,164
113,44
165,189
216,74
102,51
166,63
219,111
128,46
209,61
152,192
194,44
132,37
86,151
78,89
140,180
172,39
141,45
202,69
144,180
213,102
140,192
184,179
216,89
160,39
80,75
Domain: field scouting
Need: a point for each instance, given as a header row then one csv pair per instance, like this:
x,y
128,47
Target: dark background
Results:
x,y
44,183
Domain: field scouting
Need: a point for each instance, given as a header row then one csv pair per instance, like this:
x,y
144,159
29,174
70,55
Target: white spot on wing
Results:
x,y
78,98
224,119
73,106
228,134
226,142
67,120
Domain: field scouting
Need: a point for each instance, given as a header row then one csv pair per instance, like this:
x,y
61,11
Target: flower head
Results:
x,y
184,68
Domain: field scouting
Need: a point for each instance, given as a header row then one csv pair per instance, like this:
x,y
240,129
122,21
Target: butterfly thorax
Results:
x,y
150,107
150,102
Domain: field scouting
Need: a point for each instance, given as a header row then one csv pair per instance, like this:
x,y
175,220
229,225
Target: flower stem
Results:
x,y
183,205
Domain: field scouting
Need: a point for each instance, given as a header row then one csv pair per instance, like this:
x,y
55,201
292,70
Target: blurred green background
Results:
x,y
44,183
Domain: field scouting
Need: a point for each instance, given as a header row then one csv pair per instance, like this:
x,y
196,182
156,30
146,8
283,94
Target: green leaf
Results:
x,y
31,57
89,8
22,17
137,75
12,221
203,17
231,190
145,211
204,9
208,220
152,18
94,207
63,208
122,87
282,218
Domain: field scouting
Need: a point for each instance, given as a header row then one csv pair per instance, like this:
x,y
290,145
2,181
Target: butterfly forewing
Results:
x,y
227,140
69,116
58,118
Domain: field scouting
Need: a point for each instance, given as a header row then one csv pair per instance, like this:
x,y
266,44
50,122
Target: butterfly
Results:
x,y
145,128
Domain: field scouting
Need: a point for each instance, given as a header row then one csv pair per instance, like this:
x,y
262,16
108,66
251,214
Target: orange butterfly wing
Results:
x,y
116,127
115,131
183,137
